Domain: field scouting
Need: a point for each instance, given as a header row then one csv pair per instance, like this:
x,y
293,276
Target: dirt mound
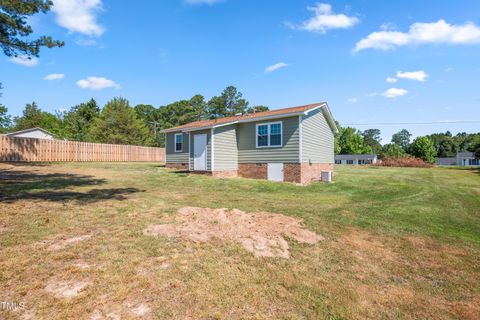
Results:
x,y
260,232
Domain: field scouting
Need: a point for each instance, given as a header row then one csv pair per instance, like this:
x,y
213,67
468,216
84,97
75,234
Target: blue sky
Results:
x,y
278,53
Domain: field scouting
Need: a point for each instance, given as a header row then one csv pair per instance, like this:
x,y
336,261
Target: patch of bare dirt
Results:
x,y
138,309
64,243
82,265
66,289
260,233
117,311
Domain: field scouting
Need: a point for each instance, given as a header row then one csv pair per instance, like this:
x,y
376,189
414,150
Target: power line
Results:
x,y
409,123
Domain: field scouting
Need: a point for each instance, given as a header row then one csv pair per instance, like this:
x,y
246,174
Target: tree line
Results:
x,y
120,123
352,141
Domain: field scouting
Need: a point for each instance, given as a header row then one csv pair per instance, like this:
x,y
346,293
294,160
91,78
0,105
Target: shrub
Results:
x,y
406,161
422,147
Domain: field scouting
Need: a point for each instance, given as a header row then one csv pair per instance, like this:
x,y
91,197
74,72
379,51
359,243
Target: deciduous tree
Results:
x,y
350,141
392,150
422,147
402,138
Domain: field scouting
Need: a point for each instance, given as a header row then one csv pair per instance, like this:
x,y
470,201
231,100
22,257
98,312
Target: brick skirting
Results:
x,y
302,173
178,166
252,170
312,172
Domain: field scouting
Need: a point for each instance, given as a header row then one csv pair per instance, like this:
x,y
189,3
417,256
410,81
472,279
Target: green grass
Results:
x,y
400,243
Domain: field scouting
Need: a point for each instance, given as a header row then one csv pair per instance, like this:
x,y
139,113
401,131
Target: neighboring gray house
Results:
x,y
294,144
461,159
37,133
447,161
356,159
467,159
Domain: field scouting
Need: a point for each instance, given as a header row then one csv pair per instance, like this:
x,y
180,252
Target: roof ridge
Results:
x,y
223,120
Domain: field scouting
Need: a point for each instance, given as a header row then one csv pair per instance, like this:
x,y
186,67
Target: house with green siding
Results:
x,y
293,144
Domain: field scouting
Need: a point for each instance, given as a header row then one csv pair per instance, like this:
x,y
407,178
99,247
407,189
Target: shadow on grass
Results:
x,y
18,185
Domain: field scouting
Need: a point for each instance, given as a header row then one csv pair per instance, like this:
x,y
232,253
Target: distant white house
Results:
x,y
462,159
356,159
37,133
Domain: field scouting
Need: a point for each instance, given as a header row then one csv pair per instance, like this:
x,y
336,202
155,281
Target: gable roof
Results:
x,y
272,114
29,130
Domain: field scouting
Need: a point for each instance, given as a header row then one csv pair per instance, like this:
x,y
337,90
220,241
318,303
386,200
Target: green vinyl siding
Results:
x,y
171,155
317,138
225,148
209,147
288,152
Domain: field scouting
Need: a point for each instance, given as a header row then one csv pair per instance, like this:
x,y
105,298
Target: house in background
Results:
x,y
462,159
37,133
294,144
467,159
447,161
356,159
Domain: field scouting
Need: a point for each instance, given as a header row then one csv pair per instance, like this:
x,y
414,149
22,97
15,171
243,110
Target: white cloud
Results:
x,y
391,80
324,19
414,75
449,69
54,76
276,66
79,16
86,42
209,2
394,92
352,100
97,83
388,26
439,32
370,95
24,60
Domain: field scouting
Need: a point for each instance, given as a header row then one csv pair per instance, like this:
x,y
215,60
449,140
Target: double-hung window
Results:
x,y
178,142
269,135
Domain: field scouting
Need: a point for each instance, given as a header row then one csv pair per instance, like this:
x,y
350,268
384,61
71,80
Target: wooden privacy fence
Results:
x,y
30,149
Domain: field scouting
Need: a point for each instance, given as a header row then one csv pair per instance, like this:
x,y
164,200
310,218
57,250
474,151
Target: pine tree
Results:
x,y
119,124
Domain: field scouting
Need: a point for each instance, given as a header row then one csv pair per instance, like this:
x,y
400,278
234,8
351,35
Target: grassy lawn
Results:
x,y
401,243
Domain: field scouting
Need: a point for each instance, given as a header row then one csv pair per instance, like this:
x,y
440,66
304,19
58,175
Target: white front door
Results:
x,y
200,152
275,171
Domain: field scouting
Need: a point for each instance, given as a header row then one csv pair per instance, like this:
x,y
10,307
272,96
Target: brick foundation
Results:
x,y
178,166
252,170
313,172
292,172
225,174
302,173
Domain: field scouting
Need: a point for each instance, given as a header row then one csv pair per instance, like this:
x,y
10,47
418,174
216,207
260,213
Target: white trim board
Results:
x,y
300,147
212,149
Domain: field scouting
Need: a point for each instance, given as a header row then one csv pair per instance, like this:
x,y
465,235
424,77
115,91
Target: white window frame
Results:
x,y
175,142
268,124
